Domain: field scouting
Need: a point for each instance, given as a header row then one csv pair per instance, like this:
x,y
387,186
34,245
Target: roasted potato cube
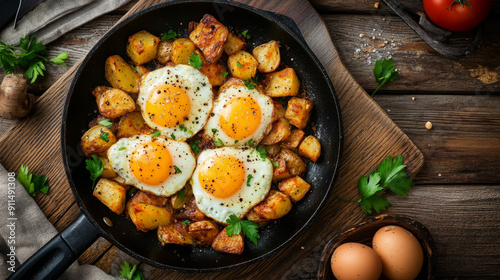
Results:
x,y
279,110
114,102
182,49
203,232
254,217
280,131
141,70
310,148
229,244
293,141
290,164
282,83
142,47
298,111
210,36
176,233
164,52
94,140
182,198
190,211
273,150
111,194
294,187
121,75
215,73
147,217
275,205
268,56
242,65
281,172
107,172
148,198
132,124
234,44
114,123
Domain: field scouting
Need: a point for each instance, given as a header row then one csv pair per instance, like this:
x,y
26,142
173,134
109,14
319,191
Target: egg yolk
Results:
x,y
151,163
240,117
222,176
168,106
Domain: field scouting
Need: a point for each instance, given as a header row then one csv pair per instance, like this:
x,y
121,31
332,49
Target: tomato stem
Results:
x,y
461,2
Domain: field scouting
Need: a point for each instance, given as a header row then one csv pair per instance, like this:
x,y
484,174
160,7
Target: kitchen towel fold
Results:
x,y
53,18
26,229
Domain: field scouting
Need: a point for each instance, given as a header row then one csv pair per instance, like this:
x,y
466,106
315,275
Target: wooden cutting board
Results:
x,y
370,136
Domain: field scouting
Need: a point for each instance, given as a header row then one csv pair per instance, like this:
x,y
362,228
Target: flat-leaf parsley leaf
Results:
x,y
32,183
195,61
170,34
236,226
95,167
384,72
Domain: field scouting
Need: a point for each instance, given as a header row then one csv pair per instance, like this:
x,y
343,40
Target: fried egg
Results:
x,y
241,115
155,165
176,100
230,181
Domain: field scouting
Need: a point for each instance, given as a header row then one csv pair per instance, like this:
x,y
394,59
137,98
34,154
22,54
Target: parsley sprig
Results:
x,y
130,273
170,34
95,167
384,72
106,122
389,175
236,226
32,183
29,55
195,61
251,83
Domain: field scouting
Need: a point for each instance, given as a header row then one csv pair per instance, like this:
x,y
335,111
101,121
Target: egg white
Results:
x,y
197,87
242,201
181,154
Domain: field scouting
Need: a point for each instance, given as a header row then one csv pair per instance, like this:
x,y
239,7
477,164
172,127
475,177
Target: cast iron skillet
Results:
x,y
80,108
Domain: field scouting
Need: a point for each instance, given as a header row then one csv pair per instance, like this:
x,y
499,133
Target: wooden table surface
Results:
x,y
457,192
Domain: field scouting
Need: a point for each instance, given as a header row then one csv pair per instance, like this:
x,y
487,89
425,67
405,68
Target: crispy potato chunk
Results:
x,y
142,47
282,83
298,111
210,36
293,141
275,205
190,211
281,130
254,217
281,172
114,102
141,70
148,198
121,75
107,172
132,124
182,198
164,51
229,244
214,72
182,49
234,44
176,233
290,164
93,141
242,65
295,187
114,123
310,148
203,232
148,217
111,194
273,150
278,110
268,56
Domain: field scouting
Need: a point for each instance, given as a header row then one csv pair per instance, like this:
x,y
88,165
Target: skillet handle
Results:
x,y
59,253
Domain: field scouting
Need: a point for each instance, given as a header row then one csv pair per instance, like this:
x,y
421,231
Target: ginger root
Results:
x,y
15,102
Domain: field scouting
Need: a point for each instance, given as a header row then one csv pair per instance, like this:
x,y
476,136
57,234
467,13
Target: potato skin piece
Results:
x,y
275,205
298,111
190,211
176,233
248,64
121,75
234,44
214,73
294,163
310,148
229,244
114,103
282,83
294,187
293,141
178,203
281,172
273,150
142,47
148,198
111,194
132,124
182,49
281,129
254,217
92,144
210,36
164,51
203,232
268,56
108,172
148,217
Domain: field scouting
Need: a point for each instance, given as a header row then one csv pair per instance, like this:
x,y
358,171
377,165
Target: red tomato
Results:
x,y
449,14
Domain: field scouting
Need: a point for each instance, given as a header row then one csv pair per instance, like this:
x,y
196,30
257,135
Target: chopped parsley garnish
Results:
x,y
133,68
186,223
262,151
249,178
172,136
236,141
218,142
132,191
182,193
195,61
251,83
239,64
121,148
236,226
214,130
190,132
32,183
104,136
177,170
275,163
245,34
195,147
296,150
105,122
251,143
224,74
183,128
156,134
95,167
171,34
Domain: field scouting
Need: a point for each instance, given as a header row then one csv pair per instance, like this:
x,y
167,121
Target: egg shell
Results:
x,y
356,261
401,253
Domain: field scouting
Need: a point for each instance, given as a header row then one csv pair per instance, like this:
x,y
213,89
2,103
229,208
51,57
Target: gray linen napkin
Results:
x,y
32,230
53,18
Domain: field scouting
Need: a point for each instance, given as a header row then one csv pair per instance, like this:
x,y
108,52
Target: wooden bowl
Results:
x,y
363,233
